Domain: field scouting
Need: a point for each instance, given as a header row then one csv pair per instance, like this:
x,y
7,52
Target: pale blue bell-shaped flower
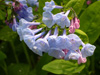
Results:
x,y
41,45
62,19
30,40
24,24
48,19
52,39
49,6
63,41
54,50
75,41
72,55
87,50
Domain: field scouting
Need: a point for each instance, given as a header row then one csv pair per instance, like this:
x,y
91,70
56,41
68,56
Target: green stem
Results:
x,y
13,48
26,53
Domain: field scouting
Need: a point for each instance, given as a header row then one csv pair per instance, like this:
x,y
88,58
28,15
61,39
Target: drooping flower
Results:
x,y
62,19
75,41
54,50
30,40
41,45
72,55
72,27
87,50
77,25
63,41
24,24
49,6
48,19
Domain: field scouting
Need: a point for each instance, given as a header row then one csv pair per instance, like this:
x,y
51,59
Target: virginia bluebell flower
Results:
x,y
42,44
22,25
26,13
49,6
87,50
75,41
54,50
63,41
48,19
62,19
30,40
72,55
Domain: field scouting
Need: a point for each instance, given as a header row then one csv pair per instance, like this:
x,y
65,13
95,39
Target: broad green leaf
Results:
x,y
18,69
62,67
6,34
90,21
2,56
82,35
76,5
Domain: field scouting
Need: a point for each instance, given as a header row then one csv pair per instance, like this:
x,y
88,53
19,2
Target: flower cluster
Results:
x,y
59,46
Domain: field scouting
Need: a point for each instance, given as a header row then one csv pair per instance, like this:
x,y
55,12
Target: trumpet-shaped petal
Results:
x,y
48,19
52,39
75,41
22,25
56,52
63,41
41,45
62,19
26,13
30,40
87,50
72,55
49,6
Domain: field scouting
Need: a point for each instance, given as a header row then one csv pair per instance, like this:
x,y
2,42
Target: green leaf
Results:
x,y
2,15
90,21
76,5
6,34
62,67
18,69
82,35
2,56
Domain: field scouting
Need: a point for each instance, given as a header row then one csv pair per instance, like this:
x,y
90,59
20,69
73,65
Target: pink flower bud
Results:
x,y
88,2
71,29
77,25
81,60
